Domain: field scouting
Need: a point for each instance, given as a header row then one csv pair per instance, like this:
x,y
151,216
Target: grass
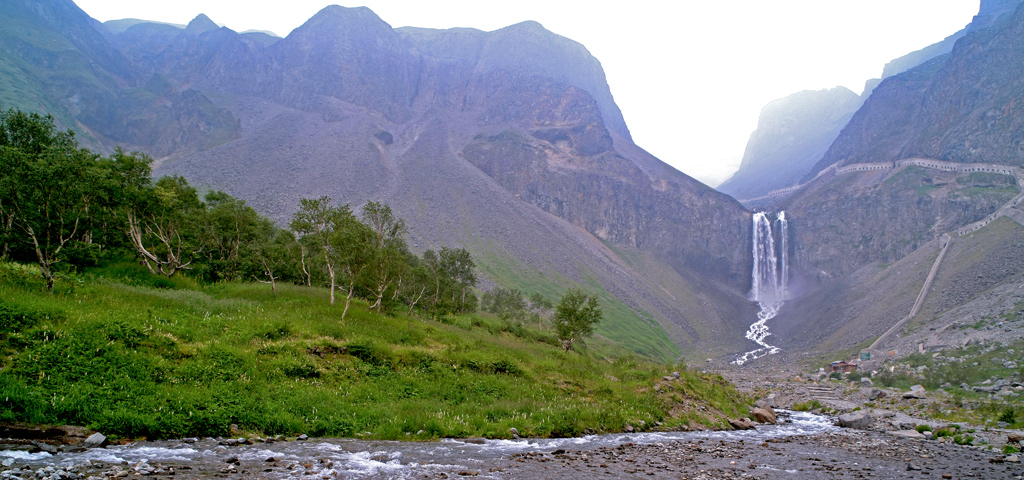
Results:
x,y
138,356
620,326
808,406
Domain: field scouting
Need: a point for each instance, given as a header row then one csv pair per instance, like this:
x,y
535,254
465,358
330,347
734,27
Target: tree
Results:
x,y
164,225
575,317
507,303
388,250
229,234
318,220
273,253
457,265
47,187
344,244
540,307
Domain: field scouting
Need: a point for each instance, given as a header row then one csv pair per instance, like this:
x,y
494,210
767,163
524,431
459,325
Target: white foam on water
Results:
x,y
22,455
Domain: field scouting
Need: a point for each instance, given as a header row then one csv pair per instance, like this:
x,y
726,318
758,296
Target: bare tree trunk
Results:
x,y
348,298
418,297
309,280
8,226
330,271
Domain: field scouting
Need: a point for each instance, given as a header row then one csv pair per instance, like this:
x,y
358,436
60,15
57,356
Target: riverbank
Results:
x,y
768,452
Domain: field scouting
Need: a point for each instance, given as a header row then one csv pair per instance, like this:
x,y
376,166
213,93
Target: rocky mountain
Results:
x,y
792,135
795,132
507,142
960,107
867,229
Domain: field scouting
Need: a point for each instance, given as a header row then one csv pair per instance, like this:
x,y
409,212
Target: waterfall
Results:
x,y
769,280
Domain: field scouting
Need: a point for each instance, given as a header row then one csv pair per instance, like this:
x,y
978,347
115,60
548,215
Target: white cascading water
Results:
x,y
770,281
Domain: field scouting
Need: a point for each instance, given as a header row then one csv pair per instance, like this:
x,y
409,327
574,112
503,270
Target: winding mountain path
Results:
x,y
1012,209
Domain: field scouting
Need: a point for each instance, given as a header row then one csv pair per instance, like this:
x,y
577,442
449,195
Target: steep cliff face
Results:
x,y
961,107
792,134
507,142
53,59
856,219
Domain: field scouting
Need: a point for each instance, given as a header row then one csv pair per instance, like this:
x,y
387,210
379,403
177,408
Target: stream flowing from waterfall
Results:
x,y
352,458
770,280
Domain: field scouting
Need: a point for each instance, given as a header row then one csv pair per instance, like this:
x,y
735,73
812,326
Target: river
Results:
x,y
353,458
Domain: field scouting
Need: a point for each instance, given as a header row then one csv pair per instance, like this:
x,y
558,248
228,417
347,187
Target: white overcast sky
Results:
x,y
690,76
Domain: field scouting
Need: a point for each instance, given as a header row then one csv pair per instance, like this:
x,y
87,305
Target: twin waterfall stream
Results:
x,y
769,286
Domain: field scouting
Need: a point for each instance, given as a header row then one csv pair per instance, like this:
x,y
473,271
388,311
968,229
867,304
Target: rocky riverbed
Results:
x,y
879,442
829,453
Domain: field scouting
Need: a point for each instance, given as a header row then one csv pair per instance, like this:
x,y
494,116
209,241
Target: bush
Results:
x,y
16,316
807,406
1008,416
923,428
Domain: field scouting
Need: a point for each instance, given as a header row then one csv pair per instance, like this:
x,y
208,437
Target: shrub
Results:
x,y
923,428
807,406
1008,416
17,316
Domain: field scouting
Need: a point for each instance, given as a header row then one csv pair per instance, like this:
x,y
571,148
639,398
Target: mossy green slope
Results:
x,y
140,356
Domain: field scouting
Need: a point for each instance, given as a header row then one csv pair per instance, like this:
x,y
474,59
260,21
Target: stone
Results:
x,y
302,437
741,424
46,447
1014,437
918,394
876,394
909,434
1013,459
514,431
858,420
866,382
763,415
628,429
475,440
7,462
95,440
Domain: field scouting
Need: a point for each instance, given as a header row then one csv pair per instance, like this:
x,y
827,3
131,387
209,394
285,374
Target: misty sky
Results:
x,y
690,76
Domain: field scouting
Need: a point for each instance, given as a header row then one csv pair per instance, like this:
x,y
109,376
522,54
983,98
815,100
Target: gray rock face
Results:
x,y
956,107
95,440
792,134
858,420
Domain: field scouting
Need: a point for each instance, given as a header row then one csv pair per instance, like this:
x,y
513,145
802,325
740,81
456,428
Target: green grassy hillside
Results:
x,y
136,355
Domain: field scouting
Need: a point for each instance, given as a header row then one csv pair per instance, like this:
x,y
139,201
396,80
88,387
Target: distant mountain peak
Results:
x,y
201,24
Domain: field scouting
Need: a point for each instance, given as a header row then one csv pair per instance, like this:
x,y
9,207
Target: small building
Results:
x,y
844,367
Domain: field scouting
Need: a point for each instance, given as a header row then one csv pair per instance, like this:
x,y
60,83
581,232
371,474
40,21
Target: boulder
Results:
x,y
95,440
866,382
876,394
741,424
909,434
763,415
858,420
915,393
1014,437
